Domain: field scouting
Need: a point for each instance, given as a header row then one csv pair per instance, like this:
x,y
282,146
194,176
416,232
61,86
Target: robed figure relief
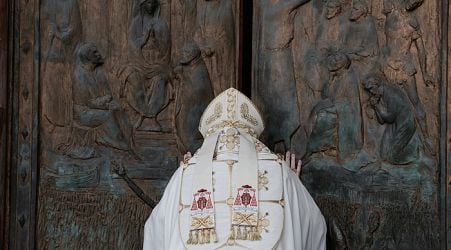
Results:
x,y
403,32
146,78
62,33
276,72
193,96
98,118
215,35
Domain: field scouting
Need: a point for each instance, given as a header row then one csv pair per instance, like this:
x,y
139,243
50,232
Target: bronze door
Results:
x,y
105,96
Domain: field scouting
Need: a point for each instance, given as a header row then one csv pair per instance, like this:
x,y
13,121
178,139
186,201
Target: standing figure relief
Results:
x,y
276,72
215,35
193,96
402,31
61,35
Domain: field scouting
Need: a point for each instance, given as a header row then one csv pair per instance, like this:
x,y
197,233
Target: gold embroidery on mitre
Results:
x,y
231,123
231,98
216,115
244,109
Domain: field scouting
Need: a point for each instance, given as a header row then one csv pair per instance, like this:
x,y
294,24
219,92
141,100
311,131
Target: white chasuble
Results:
x,y
216,201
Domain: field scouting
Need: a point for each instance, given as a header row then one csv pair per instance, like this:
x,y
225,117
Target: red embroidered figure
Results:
x,y
246,197
202,201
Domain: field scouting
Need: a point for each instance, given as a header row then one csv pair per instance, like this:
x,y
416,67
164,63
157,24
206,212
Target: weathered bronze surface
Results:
x,y
4,208
360,85
105,96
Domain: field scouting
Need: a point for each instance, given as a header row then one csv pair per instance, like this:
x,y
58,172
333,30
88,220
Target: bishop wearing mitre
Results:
x,y
234,193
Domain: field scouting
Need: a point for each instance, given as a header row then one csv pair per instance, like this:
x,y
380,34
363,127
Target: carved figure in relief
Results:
x,y
399,144
98,117
149,36
215,36
338,123
61,36
189,18
146,78
360,37
331,26
65,29
193,95
362,46
402,31
276,75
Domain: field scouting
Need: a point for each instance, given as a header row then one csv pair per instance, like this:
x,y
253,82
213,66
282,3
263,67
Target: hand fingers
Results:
x,y
299,168
287,157
293,162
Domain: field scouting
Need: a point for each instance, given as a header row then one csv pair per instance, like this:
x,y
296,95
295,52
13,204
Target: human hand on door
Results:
x,y
290,159
186,158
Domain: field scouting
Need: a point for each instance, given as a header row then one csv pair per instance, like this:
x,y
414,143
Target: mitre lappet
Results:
x,y
234,193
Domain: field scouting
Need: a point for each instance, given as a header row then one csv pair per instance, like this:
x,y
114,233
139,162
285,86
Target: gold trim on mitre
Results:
x,y
240,113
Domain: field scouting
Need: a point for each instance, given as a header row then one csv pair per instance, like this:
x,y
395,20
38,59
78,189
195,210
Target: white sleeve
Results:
x,y
164,217
304,225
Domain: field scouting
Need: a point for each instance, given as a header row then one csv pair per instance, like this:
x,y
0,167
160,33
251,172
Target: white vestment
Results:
x,y
288,216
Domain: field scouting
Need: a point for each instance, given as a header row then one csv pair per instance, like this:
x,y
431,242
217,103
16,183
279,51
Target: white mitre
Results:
x,y
231,108
234,193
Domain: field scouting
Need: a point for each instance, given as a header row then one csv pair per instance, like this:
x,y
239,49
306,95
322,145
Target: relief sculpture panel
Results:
x,y
123,86
361,77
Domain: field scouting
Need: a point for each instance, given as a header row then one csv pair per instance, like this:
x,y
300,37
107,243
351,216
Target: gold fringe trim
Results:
x,y
250,233
202,236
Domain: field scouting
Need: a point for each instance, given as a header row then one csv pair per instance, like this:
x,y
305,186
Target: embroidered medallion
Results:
x,y
229,140
203,219
245,215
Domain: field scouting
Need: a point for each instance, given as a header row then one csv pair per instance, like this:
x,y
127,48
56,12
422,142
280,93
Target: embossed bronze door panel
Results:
x,y
103,97
107,96
361,84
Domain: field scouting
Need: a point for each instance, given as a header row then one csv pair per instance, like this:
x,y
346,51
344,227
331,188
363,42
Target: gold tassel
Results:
x,y
214,237
195,241
190,238
244,235
207,235
232,233
238,233
254,233
201,236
